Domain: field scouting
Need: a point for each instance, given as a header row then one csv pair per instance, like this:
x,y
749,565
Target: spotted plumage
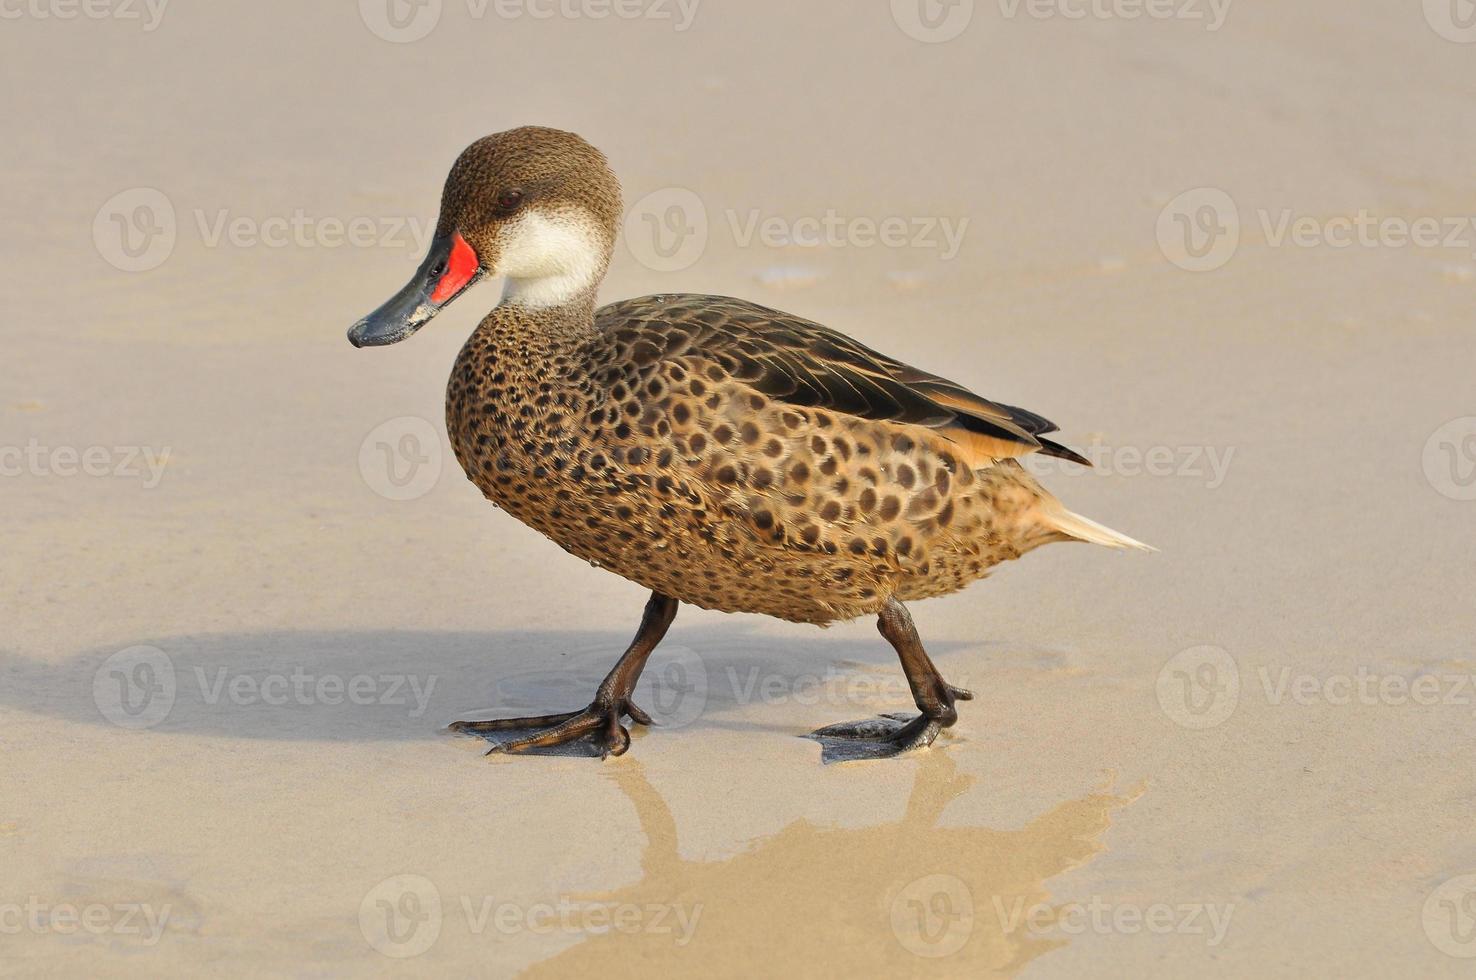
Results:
x,y
715,451
741,459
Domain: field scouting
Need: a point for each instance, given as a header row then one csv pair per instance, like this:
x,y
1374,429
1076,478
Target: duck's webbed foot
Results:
x,y
875,738
597,728
893,734
885,735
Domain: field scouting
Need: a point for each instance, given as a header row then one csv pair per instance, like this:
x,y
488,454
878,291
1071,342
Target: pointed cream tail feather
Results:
x,y
1081,529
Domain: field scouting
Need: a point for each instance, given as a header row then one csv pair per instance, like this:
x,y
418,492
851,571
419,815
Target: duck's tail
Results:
x,y
1079,528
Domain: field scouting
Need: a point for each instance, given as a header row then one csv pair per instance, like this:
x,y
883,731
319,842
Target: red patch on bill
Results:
x,y
459,270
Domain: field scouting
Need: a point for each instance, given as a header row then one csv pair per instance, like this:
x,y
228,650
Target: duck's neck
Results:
x,y
541,329
574,290
535,341
551,299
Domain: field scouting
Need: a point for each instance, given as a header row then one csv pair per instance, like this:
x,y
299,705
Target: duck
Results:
x,y
714,451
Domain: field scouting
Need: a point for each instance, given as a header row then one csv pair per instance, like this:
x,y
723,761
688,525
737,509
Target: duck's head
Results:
x,y
538,207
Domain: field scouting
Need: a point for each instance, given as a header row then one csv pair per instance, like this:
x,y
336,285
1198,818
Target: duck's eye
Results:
x,y
509,201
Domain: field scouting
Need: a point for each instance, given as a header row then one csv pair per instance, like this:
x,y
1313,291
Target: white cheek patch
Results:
x,y
550,257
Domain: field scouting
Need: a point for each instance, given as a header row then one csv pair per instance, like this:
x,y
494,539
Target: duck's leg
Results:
x,y
600,722
891,735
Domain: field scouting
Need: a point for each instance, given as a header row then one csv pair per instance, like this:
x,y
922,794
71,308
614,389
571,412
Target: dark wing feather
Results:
x,y
804,364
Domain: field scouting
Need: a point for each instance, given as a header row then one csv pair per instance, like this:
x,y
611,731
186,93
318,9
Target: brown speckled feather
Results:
x,y
808,365
743,459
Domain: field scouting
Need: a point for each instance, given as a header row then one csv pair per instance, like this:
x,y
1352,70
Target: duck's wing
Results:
x,y
801,363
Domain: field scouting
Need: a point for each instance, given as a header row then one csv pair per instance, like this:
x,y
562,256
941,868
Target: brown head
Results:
x,y
538,207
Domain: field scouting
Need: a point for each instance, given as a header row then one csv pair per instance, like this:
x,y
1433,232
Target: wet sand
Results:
x,y
246,586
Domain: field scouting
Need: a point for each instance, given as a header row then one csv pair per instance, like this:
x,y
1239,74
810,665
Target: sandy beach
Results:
x,y
1229,247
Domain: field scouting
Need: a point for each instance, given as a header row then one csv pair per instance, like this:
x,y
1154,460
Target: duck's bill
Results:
x,y
449,268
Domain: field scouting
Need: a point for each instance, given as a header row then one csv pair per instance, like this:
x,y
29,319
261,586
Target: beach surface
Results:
x,y
245,585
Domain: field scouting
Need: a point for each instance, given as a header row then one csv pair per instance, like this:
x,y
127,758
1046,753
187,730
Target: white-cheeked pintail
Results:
x,y
710,449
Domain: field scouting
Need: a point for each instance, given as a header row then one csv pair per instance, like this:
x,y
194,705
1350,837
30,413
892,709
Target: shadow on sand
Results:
x,y
352,686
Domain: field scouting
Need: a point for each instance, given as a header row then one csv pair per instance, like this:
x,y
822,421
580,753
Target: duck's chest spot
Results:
x,y
518,435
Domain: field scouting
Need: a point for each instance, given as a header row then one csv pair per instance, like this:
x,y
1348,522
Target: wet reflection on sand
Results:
x,y
910,897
